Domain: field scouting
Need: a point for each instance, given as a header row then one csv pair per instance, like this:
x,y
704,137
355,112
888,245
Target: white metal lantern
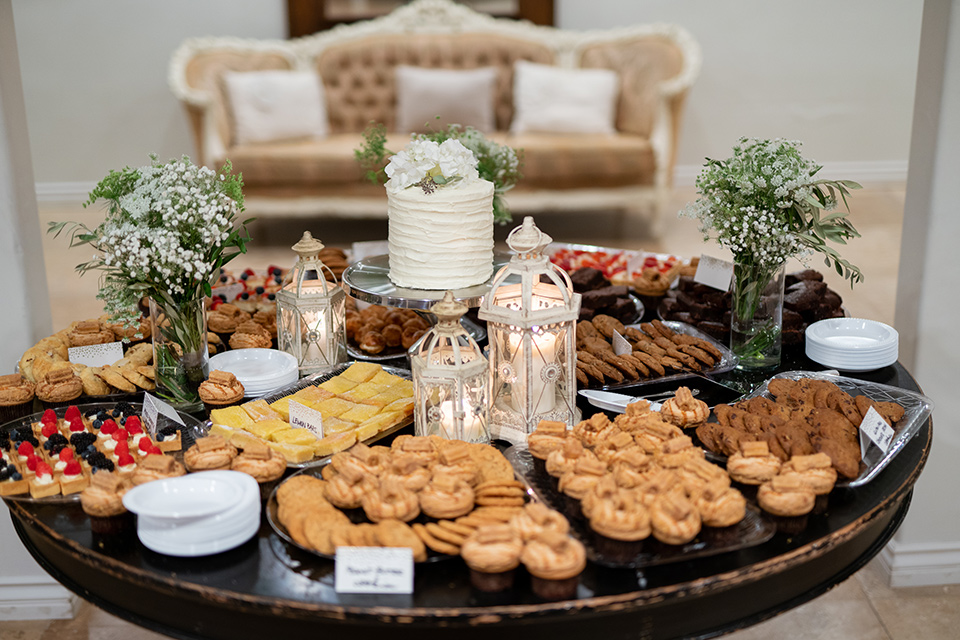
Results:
x,y
531,313
310,311
451,379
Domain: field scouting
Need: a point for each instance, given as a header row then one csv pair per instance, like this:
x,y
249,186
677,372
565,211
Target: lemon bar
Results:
x,y
363,391
335,443
338,384
381,421
336,425
295,436
403,405
266,428
293,452
334,407
385,378
235,417
359,413
361,371
260,410
311,394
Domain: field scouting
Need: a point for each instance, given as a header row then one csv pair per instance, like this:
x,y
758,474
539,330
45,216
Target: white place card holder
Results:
x,y
152,409
714,272
635,264
361,250
620,344
874,429
304,417
374,570
96,355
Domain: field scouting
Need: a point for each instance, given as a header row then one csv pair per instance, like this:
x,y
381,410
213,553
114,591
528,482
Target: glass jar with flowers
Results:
x,y
765,204
168,229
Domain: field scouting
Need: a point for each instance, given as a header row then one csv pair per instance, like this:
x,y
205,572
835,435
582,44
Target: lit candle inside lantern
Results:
x,y
543,352
315,338
472,431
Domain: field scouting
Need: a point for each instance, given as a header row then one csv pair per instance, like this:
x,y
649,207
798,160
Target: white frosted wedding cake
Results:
x,y
440,216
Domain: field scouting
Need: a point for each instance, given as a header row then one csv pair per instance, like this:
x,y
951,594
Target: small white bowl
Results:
x,y
186,497
852,344
852,334
255,366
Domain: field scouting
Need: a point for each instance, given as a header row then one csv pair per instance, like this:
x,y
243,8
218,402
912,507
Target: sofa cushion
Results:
x,y
550,161
358,75
433,99
642,65
562,161
271,106
555,99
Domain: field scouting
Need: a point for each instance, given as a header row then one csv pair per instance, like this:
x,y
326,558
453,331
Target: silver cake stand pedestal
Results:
x,y
368,280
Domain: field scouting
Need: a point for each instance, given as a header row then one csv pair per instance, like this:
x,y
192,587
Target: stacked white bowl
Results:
x,y
852,344
260,371
197,514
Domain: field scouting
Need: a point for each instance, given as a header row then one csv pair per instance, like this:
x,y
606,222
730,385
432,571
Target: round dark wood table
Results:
x,y
269,589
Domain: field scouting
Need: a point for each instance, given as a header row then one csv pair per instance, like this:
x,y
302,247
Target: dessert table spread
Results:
x,y
268,588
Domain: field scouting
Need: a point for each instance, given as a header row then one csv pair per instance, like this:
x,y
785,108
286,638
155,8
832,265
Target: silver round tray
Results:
x,y
368,280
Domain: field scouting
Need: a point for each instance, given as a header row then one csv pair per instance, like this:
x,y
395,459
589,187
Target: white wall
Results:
x,y
95,77
926,550
837,75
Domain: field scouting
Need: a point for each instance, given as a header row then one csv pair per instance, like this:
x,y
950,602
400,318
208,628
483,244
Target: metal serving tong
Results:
x,y
609,401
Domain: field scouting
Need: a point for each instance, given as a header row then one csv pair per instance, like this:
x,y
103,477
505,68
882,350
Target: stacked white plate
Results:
x,y
197,514
260,371
852,344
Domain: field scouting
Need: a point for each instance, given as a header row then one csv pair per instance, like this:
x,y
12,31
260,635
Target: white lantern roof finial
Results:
x,y
308,246
448,312
528,238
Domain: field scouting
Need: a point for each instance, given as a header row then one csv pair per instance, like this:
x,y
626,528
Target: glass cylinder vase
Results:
x,y
756,315
180,355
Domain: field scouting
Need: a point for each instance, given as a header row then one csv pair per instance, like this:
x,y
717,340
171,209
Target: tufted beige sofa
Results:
x,y
630,170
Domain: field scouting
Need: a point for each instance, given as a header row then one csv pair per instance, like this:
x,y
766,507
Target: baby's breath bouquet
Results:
x,y
169,228
434,158
766,205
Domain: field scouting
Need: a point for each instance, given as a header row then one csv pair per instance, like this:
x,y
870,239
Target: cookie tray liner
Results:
x,y
753,530
313,381
356,516
187,434
917,408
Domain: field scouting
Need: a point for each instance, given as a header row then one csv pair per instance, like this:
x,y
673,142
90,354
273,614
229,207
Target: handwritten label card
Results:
x,y
96,355
874,429
714,272
303,417
374,570
152,408
620,344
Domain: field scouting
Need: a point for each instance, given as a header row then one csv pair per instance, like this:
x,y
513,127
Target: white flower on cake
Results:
x,y
429,164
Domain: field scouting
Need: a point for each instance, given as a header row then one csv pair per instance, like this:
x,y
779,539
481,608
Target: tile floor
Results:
x,y
862,608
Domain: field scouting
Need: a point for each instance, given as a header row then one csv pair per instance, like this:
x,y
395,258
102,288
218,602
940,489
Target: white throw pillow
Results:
x,y
463,97
276,105
554,99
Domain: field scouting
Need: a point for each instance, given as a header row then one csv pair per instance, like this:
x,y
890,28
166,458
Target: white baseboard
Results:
x,y
880,171
66,192
923,564
684,176
35,598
